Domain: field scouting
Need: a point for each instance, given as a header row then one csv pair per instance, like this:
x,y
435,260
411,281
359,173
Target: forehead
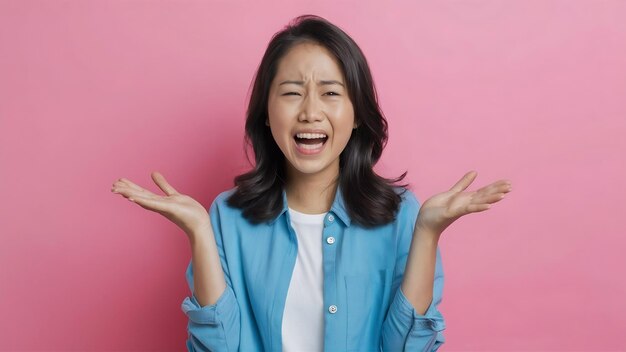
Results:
x,y
306,60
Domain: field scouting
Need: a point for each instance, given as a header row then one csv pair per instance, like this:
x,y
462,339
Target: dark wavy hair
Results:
x,y
369,198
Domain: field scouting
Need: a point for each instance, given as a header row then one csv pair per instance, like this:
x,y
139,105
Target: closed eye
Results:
x,y
294,93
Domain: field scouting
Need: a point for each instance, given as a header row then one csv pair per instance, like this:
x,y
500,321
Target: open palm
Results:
x,y
181,209
441,210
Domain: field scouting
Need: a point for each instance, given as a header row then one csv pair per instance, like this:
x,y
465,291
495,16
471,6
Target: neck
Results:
x,y
311,193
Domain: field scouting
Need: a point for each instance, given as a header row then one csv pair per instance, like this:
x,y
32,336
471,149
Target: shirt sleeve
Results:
x,y
213,327
403,328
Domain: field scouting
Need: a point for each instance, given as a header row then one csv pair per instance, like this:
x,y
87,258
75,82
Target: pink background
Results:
x,y
530,91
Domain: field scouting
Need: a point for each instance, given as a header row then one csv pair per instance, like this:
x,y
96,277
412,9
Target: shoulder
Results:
x,y
409,201
220,203
223,196
409,205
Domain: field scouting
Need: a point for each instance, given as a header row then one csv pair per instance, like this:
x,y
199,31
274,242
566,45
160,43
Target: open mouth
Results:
x,y
310,143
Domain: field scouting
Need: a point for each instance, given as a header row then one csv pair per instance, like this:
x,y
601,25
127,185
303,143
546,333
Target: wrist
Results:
x,y
427,234
200,236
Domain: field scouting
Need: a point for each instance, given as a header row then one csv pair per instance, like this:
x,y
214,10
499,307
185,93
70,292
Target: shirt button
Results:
x,y
331,218
330,240
332,309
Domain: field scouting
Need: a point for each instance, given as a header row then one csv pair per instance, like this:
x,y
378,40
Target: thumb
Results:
x,y
464,182
162,183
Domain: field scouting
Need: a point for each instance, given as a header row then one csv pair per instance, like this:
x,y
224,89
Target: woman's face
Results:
x,y
310,114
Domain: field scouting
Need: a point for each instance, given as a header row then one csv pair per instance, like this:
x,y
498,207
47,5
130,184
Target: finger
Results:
x,y
149,203
127,192
476,208
464,182
496,187
505,188
504,185
163,184
131,184
128,183
488,198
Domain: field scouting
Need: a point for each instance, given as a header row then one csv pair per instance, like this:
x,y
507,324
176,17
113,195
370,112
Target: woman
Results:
x,y
311,250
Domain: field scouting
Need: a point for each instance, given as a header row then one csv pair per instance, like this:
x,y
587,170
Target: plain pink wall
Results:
x,y
531,91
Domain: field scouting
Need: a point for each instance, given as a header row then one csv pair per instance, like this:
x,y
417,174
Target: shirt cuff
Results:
x,y
209,314
431,319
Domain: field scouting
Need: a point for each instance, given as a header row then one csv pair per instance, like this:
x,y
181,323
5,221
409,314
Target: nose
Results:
x,y
311,110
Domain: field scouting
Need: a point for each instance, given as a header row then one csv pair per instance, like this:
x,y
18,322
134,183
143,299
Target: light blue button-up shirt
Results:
x,y
364,307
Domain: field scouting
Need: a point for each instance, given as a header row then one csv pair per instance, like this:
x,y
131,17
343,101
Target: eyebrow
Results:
x,y
300,83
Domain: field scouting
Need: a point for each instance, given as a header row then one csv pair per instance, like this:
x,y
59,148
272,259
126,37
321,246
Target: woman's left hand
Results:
x,y
441,210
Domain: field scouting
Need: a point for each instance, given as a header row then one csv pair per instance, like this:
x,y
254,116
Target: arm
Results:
x,y
436,214
406,328
422,288
418,281
209,283
212,309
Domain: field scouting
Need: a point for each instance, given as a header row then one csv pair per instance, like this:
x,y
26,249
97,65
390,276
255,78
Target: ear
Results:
x,y
356,125
267,122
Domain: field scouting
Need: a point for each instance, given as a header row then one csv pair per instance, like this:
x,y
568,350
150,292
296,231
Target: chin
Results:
x,y
310,167
310,170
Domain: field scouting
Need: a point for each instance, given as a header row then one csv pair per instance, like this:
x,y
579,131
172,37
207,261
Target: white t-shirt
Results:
x,y
303,319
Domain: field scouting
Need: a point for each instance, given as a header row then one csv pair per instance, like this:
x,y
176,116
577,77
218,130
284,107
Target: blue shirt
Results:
x,y
365,309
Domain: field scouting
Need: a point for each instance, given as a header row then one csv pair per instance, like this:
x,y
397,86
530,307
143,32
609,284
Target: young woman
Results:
x,y
312,250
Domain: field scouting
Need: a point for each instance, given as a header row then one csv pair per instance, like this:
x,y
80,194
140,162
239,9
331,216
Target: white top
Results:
x,y
303,318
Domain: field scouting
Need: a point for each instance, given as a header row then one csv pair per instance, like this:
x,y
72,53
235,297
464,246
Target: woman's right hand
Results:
x,y
181,209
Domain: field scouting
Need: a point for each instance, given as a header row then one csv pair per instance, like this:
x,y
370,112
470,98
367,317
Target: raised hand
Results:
x,y
441,210
181,209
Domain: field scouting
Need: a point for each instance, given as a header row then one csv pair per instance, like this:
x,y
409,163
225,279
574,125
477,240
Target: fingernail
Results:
x,y
132,200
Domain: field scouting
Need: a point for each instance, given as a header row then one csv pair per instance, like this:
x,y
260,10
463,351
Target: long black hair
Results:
x,y
369,198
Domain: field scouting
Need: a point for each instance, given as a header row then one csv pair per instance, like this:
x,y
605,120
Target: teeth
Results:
x,y
310,146
311,135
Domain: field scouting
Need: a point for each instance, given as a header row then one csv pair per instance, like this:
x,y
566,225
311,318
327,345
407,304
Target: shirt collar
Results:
x,y
338,207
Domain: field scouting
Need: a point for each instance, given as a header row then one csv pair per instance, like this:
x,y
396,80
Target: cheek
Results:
x,y
343,126
344,137
280,132
278,123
